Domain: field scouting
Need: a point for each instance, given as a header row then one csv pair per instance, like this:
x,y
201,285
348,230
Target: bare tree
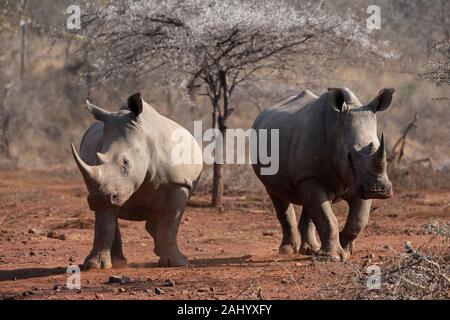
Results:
x,y
438,65
210,47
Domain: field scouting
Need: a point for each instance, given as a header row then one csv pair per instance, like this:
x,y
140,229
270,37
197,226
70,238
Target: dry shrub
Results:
x,y
417,177
415,274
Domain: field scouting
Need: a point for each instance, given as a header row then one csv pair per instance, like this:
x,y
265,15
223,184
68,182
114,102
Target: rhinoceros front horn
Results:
x,y
379,158
91,174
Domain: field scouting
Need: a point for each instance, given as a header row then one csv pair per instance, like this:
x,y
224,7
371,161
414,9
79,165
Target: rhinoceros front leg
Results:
x,y
117,257
286,215
357,219
167,230
105,231
307,230
151,227
318,201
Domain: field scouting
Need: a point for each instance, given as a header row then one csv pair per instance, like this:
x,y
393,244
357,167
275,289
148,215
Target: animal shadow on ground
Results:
x,y
209,262
28,273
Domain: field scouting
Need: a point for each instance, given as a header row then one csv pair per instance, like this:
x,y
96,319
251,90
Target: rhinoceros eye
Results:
x,y
125,165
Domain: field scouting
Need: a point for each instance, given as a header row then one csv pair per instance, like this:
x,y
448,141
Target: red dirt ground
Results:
x,y
233,252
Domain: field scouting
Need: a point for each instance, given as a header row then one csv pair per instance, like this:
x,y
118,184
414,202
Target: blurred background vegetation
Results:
x,y
45,79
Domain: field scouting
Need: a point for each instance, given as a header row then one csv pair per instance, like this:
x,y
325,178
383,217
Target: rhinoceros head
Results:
x,y
361,155
121,165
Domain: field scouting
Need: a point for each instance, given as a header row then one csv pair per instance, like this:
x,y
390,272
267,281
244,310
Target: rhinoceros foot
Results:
x,y
119,262
288,249
334,255
98,260
308,249
173,260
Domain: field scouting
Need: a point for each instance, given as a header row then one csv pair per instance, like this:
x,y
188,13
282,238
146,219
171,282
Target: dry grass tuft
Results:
x,y
414,274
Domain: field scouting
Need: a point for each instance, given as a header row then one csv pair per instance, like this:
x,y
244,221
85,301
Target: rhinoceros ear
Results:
x,y
383,101
135,104
337,99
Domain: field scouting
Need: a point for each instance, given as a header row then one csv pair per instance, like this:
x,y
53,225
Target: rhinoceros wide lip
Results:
x,y
100,205
376,195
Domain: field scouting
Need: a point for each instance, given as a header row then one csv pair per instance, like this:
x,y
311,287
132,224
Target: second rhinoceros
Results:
x,y
329,150
125,160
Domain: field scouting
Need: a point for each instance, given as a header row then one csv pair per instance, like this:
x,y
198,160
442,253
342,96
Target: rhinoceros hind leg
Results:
x,y
117,257
286,215
309,244
105,230
167,229
318,200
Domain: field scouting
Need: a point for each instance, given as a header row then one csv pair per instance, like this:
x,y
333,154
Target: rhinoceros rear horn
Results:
x,y
91,174
97,112
379,158
135,104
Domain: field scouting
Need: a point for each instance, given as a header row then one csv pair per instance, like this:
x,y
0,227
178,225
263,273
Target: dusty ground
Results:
x,y
233,252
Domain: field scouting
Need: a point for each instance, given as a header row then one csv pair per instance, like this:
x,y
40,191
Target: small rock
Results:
x,y
71,259
298,264
33,231
32,253
114,279
268,233
408,246
125,280
121,290
387,247
169,283
56,288
98,296
117,279
159,291
55,235
133,293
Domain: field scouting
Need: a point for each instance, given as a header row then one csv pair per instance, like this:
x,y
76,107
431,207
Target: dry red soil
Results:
x,y
233,252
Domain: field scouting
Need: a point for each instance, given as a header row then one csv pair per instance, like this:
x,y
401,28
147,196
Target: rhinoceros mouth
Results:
x,y
100,204
375,193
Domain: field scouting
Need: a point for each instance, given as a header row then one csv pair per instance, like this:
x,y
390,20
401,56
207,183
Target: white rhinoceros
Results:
x,y
329,150
125,160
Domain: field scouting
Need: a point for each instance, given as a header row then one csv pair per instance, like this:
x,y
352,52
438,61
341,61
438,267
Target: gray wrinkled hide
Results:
x,y
329,150
146,186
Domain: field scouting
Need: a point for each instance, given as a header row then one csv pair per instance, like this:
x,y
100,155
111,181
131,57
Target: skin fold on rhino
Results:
x,y
125,161
329,151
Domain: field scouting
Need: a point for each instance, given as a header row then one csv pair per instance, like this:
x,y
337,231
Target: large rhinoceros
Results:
x,y
125,160
329,150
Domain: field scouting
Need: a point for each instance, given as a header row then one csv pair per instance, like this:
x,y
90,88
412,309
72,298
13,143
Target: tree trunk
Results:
x,y
217,192
217,187
24,44
220,120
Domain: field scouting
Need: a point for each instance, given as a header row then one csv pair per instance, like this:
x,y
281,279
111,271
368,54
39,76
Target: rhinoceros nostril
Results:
x,y
114,198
